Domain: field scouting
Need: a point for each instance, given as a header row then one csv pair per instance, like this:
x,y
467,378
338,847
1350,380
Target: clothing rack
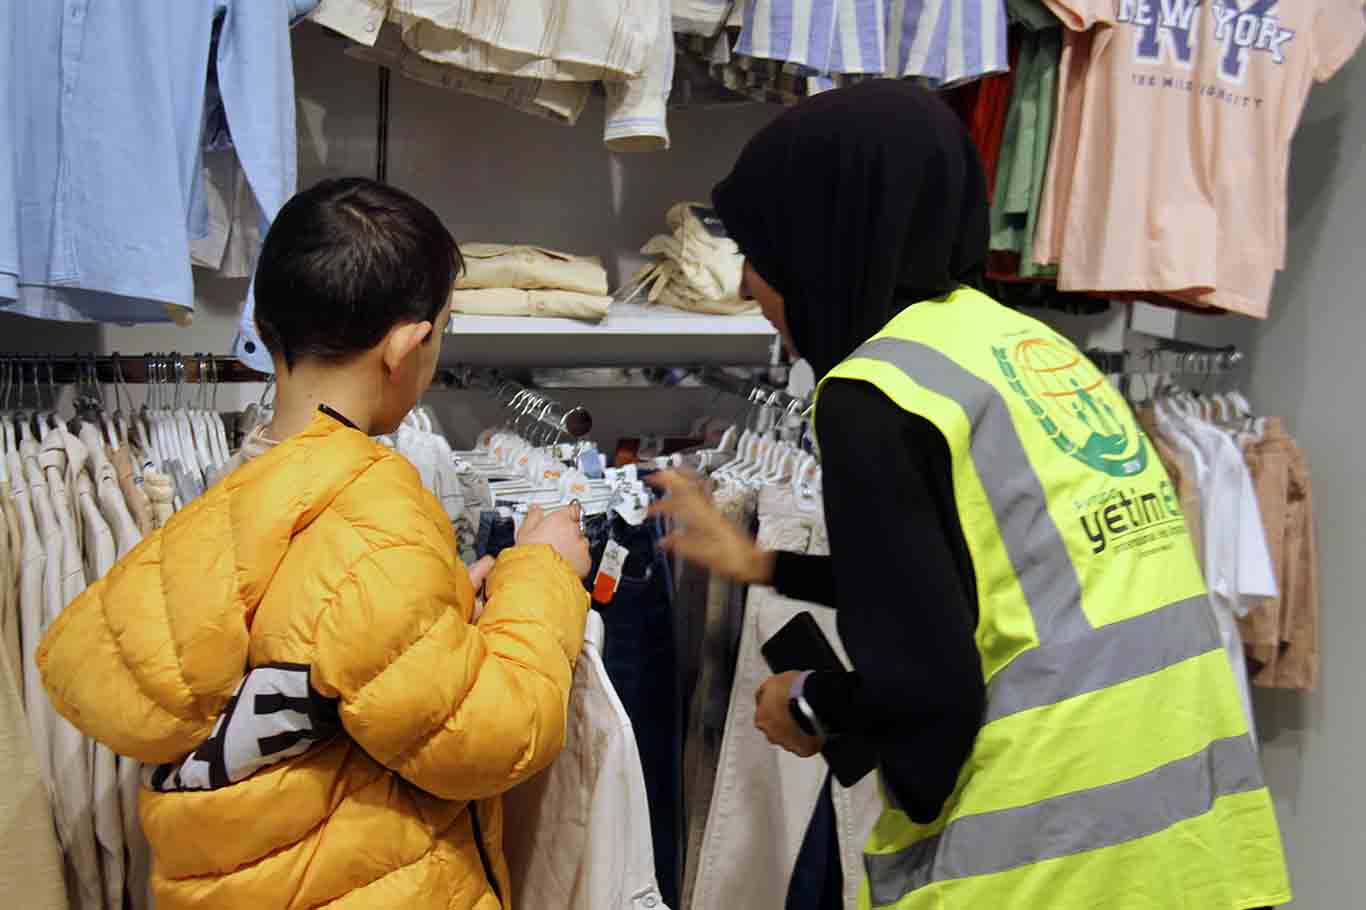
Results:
x,y
44,372
1191,357
753,391
138,369
1168,356
575,422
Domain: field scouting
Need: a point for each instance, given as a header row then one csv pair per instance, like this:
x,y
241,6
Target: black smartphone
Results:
x,y
801,645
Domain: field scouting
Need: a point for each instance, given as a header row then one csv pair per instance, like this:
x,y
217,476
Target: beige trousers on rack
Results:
x,y
764,797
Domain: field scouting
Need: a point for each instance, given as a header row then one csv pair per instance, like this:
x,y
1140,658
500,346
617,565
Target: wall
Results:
x,y
1306,363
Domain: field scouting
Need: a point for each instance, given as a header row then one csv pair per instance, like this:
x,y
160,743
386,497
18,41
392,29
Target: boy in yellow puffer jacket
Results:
x,y
295,656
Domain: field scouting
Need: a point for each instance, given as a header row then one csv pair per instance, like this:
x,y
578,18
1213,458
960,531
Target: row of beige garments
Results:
x,y
695,268
540,58
75,499
1246,497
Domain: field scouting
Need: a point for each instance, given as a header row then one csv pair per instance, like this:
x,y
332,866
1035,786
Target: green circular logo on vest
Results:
x,y
1075,405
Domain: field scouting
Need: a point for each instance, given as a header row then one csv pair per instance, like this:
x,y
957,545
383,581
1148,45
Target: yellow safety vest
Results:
x,y
1114,768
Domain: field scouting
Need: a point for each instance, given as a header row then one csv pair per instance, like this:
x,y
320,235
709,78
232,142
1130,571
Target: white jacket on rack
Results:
x,y
32,577
579,832
68,755
113,505
100,552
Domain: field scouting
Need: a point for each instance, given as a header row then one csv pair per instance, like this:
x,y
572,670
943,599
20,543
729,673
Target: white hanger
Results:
x,y
782,472
216,426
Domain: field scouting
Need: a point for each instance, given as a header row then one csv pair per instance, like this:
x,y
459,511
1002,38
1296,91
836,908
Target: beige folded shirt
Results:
x,y
517,302
498,265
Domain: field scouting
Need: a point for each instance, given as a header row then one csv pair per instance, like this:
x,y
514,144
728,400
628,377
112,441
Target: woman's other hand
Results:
x,y
773,717
704,536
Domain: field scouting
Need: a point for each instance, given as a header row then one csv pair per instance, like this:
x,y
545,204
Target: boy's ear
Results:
x,y
401,341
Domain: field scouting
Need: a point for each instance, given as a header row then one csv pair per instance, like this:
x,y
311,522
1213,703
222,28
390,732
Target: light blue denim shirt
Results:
x,y
105,144
9,208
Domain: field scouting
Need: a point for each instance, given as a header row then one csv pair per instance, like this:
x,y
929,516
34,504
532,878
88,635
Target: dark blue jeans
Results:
x,y
496,533
817,879
641,657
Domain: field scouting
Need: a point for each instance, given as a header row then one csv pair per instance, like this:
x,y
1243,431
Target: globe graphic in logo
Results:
x,y
1078,408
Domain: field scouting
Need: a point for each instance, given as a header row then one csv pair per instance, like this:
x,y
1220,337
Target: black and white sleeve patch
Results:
x,y
274,715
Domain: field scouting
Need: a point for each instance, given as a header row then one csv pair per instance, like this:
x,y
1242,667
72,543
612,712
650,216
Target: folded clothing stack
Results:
x,y
503,280
700,266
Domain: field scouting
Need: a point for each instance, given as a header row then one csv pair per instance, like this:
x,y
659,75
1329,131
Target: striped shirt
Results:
x,y
942,41
947,42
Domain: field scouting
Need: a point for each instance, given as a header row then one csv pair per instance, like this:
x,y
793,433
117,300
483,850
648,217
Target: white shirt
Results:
x,y
1237,566
577,836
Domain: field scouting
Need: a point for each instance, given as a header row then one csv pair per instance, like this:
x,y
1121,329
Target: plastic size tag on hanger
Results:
x,y
626,474
574,485
633,505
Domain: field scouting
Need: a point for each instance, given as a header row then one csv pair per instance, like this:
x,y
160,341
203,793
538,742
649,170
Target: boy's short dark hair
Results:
x,y
343,263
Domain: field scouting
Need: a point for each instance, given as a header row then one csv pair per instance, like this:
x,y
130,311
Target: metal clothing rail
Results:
x,y
575,422
752,390
1169,357
137,369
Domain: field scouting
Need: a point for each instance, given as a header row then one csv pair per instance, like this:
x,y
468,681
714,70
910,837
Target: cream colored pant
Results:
x,y
764,797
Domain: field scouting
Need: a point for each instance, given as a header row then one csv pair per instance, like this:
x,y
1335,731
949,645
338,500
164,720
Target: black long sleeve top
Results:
x,y
901,580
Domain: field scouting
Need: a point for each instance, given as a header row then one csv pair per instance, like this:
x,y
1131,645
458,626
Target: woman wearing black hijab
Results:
x,y
1109,761
849,208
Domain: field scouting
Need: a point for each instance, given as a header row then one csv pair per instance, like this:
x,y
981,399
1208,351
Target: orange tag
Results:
x,y
609,573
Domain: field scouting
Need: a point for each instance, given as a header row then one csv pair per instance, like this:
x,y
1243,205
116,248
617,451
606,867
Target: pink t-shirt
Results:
x,y
1172,143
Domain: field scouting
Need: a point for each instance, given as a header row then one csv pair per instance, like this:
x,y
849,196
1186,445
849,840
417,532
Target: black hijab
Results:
x,y
854,205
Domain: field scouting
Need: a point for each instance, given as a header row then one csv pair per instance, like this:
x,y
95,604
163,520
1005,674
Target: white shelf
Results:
x,y
631,335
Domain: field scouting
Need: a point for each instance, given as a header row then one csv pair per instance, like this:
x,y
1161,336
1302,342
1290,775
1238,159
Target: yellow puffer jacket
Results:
x,y
327,551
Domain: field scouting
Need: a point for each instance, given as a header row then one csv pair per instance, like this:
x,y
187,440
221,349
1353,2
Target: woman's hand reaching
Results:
x,y
704,536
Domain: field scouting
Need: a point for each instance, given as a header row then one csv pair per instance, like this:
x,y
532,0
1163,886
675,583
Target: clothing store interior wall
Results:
x,y
1302,362
497,175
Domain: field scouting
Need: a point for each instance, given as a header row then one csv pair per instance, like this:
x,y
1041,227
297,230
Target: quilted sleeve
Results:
x,y
462,711
137,674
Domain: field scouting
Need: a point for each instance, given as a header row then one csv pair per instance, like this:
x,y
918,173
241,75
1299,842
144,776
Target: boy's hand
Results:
x,y
479,573
559,529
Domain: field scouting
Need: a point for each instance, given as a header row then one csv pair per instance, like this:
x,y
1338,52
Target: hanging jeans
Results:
x,y
641,657
764,798
818,879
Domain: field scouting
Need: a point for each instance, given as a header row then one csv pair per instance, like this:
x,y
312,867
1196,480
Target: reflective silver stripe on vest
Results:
x,y
1110,655
1117,813
1032,540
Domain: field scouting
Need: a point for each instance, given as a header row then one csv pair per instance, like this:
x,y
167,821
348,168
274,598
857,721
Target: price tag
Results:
x,y
609,572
